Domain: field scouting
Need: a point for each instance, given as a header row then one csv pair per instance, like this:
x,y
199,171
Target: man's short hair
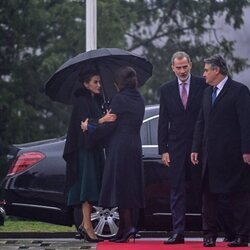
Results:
x,y
180,55
217,61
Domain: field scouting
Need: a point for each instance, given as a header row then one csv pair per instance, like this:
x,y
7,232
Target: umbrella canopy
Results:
x,y
63,83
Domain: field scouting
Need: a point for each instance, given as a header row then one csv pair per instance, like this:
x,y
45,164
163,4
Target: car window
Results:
x,y
153,124
144,134
149,131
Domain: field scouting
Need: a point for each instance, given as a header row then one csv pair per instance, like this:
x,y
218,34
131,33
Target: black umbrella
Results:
x,y
64,82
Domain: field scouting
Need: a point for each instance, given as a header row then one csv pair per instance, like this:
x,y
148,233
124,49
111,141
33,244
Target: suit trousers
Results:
x,y
240,203
178,206
225,217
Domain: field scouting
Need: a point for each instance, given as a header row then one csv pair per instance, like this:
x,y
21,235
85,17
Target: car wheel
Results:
x,y
105,221
2,216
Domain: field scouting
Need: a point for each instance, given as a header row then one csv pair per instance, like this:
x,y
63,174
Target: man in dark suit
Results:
x,y
180,101
222,135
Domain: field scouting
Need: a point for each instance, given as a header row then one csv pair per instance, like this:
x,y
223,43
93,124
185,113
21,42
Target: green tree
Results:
x,y
161,27
37,36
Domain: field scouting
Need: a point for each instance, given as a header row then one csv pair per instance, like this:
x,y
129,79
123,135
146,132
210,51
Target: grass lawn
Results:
x,y
18,225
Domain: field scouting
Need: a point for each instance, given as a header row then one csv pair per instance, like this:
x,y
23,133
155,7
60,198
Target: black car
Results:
x,y
34,186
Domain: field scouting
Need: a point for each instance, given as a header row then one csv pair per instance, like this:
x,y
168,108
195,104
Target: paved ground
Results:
x,y
62,243
58,244
45,244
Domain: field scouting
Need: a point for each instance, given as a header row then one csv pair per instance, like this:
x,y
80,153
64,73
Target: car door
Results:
x,y
157,211
157,214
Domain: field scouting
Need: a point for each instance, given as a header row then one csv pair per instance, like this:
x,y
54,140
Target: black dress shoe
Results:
x,y
238,242
175,239
209,242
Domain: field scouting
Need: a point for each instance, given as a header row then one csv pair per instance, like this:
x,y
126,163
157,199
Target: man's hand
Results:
x,y
194,158
84,125
246,158
165,159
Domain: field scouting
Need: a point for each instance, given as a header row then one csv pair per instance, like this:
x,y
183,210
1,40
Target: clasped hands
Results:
x,y
108,117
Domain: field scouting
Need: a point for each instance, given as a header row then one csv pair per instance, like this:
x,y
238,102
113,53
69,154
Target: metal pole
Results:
x,y
91,34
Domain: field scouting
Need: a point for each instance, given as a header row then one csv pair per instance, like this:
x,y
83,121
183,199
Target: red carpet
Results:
x,y
158,245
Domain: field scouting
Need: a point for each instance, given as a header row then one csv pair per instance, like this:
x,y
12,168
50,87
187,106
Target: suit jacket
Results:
x,y
223,133
176,125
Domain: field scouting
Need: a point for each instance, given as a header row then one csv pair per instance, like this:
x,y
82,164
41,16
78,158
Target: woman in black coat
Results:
x,y
122,184
84,162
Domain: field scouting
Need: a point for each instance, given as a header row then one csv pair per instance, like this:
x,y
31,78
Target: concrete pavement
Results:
x,y
45,244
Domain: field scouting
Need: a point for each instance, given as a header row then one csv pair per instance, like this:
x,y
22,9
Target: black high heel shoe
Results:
x,y
127,234
82,231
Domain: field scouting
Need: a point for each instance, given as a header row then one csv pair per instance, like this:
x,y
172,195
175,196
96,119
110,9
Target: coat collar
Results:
x,y
83,92
221,94
130,92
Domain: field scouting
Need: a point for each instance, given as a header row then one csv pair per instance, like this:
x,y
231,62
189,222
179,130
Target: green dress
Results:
x,y
88,183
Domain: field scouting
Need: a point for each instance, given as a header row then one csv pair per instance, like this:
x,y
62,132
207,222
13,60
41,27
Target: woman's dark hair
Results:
x,y
85,76
126,77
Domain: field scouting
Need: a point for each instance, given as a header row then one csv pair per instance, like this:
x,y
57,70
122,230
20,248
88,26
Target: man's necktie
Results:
x,y
184,96
214,94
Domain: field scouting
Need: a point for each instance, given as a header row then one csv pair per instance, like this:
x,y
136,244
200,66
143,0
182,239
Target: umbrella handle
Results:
x,y
106,106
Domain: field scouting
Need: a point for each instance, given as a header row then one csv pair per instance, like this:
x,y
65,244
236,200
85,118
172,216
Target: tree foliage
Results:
x,y
37,36
162,27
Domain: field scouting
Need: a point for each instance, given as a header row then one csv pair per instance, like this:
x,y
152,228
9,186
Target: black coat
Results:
x,y
223,133
176,125
122,183
84,107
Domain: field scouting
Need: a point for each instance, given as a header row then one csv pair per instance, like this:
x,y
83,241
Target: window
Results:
x,y
149,131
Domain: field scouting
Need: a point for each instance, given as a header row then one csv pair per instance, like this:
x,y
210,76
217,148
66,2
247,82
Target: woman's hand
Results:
x,y
194,158
107,117
84,125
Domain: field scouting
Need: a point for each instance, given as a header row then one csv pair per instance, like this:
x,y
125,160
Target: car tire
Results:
x,y
2,216
105,221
